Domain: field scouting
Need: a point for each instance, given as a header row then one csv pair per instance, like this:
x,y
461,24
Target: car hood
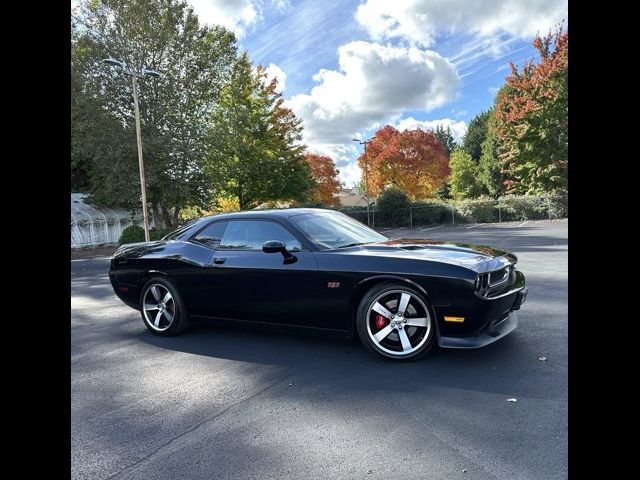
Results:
x,y
478,258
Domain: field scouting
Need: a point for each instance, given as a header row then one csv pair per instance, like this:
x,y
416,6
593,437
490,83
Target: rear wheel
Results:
x,y
162,309
395,321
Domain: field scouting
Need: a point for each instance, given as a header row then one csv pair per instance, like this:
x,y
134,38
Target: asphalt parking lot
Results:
x,y
233,404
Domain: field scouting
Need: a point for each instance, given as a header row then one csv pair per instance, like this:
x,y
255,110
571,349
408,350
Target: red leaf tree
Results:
x,y
413,160
324,172
532,119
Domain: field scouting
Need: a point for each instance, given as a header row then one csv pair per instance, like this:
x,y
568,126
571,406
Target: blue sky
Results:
x,y
352,66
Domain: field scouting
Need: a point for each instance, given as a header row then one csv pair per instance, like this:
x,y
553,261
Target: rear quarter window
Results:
x,y
211,235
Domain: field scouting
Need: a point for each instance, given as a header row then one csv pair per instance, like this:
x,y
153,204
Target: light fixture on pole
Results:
x,y
144,72
366,172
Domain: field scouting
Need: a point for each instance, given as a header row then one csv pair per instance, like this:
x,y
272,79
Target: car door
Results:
x,y
245,283
197,285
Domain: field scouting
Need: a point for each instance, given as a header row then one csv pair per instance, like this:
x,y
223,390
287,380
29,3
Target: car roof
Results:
x,y
275,213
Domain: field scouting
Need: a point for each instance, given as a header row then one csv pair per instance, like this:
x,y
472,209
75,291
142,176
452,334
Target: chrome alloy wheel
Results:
x,y
398,322
159,307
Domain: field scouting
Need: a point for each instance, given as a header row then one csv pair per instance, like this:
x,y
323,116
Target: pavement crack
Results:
x,y
196,427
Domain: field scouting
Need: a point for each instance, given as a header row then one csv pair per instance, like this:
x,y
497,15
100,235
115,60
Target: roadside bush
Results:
x,y
482,210
131,234
558,205
393,208
358,213
523,207
430,212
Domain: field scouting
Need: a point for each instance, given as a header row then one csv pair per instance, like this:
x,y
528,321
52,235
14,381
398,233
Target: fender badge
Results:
x,y
333,285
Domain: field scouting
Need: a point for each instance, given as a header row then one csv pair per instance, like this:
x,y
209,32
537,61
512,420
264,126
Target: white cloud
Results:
x,y
350,174
421,21
274,71
458,128
236,15
374,84
344,158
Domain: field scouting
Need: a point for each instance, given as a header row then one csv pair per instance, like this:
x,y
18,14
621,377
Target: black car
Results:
x,y
323,272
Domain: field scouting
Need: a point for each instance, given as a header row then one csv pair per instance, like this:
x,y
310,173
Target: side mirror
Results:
x,y
275,246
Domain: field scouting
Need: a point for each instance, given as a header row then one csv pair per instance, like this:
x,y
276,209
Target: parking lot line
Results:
x,y
473,226
523,224
431,228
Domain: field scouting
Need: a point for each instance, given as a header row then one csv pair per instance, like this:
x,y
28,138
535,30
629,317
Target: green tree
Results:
x,y
194,60
464,176
256,150
98,139
532,119
476,133
490,167
444,193
446,138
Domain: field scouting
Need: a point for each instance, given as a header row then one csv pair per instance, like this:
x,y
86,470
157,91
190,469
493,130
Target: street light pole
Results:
x,y
366,172
143,185
134,76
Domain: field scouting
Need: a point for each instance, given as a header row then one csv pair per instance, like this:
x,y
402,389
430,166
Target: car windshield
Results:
x,y
335,230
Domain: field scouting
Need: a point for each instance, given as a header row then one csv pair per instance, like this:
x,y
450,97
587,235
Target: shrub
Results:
x,y
393,208
131,234
558,204
482,210
430,212
523,207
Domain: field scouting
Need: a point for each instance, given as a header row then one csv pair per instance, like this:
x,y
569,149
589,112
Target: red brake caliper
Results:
x,y
380,322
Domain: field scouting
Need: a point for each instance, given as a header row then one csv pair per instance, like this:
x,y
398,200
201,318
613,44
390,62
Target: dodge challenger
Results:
x,y
322,272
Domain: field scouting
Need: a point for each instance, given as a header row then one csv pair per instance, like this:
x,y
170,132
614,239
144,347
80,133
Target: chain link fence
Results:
x,y
504,209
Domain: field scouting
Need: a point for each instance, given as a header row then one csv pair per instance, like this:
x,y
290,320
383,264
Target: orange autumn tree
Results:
x,y
324,172
413,160
531,119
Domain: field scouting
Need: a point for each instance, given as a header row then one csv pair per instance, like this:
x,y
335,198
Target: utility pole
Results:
x,y
134,76
366,172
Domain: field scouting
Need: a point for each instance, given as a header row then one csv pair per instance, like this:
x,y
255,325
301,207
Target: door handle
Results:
x,y
219,260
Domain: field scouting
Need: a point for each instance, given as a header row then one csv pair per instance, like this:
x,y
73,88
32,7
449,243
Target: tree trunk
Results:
x,y
241,200
167,217
176,216
157,218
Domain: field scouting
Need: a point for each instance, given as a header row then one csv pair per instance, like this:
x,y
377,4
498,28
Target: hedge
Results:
x,y
481,210
476,211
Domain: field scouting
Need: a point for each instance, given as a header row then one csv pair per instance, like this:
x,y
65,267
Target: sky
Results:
x,y
349,67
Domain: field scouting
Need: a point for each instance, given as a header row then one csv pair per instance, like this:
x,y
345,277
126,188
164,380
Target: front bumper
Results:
x,y
520,298
493,333
494,330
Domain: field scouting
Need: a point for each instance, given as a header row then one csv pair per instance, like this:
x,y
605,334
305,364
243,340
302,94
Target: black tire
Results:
x,y
421,336
174,308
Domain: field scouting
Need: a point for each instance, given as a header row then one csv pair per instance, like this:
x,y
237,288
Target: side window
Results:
x,y
251,234
212,234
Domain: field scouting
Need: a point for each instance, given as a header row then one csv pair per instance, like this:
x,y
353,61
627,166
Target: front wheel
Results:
x,y
394,321
162,309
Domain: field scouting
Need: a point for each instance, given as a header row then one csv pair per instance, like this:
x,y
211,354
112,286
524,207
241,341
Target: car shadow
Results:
x,y
345,364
